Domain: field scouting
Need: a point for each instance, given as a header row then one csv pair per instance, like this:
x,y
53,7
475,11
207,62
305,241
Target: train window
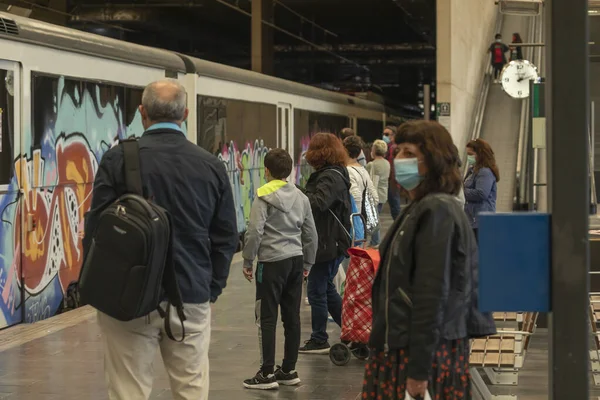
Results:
x,y
99,112
6,126
369,129
306,124
242,126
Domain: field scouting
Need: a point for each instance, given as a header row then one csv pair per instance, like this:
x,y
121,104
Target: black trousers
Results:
x,y
279,284
497,70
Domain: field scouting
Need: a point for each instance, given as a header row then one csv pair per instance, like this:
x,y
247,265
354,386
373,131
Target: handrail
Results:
x,y
528,161
522,170
593,194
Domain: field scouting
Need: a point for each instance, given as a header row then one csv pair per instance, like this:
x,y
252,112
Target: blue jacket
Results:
x,y
192,185
480,194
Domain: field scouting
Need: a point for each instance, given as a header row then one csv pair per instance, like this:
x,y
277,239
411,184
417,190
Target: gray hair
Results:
x,y
165,100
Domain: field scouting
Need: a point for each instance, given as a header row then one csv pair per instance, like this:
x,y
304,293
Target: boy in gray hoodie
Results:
x,y
282,233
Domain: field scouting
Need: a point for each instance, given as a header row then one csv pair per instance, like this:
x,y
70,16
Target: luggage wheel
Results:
x,y
340,354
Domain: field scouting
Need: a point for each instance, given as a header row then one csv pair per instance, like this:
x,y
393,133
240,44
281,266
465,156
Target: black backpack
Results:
x,y
128,269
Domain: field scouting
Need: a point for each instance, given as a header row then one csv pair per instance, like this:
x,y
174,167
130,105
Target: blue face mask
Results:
x,y
386,139
471,160
407,173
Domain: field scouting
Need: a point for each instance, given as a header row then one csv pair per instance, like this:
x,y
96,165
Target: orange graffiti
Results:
x,y
54,246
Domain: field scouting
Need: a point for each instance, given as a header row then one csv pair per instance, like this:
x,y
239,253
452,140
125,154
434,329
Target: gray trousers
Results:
x,y
131,347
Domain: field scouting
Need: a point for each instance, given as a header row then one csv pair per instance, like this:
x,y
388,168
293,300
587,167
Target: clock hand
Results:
x,y
525,77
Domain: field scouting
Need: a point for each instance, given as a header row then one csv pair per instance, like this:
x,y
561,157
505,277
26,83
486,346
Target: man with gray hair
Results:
x,y
192,185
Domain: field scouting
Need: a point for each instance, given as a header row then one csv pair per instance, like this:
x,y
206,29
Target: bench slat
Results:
x,y
478,345
507,360
476,359
508,345
493,345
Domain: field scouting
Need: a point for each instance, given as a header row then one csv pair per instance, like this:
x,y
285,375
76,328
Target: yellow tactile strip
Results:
x,y
23,333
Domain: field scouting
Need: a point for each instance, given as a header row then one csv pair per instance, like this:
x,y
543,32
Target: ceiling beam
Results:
x,y
356,47
367,61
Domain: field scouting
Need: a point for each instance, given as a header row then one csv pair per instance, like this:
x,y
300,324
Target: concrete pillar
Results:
x,y
444,59
262,37
465,29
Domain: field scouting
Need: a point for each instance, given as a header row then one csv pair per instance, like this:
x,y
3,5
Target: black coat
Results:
x,y
328,191
426,287
192,185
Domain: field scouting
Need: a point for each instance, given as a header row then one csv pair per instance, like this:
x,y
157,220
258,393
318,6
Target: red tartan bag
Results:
x,y
357,312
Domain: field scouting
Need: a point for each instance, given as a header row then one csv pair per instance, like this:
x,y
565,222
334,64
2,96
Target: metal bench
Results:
x,y
501,356
595,325
508,320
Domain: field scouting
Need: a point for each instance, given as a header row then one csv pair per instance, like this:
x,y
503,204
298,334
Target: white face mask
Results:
x,y
498,40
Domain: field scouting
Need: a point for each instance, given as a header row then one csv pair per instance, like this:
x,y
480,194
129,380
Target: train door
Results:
x,y
352,122
11,310
284,128
284,125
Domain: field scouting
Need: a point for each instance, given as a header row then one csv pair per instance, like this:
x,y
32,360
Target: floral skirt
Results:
x,y
385,376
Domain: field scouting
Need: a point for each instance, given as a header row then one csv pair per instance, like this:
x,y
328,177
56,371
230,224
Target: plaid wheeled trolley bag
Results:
x,y
357,312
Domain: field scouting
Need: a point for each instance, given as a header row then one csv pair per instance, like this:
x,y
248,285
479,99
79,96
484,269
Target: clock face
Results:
x,y
516,76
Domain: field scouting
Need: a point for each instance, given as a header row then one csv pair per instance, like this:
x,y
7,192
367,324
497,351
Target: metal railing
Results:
x,y
524,153
592,154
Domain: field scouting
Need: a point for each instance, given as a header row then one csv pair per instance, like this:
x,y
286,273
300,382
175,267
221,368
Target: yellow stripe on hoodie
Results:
x,y
270,187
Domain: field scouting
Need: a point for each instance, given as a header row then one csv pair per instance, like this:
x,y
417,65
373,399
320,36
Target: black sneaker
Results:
x,y
314,347
261,382
286,378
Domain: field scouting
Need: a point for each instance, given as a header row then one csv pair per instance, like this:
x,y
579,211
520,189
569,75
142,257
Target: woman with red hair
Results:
x,y
328,190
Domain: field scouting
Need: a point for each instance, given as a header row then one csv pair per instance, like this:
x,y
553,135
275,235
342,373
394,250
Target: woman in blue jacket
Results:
x,y
480,183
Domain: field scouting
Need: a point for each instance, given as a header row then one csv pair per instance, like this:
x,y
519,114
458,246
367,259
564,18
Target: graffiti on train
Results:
x,y
246,174
41,232
302,170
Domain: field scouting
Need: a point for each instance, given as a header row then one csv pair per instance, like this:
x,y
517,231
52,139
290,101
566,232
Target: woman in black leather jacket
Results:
x,y
425,293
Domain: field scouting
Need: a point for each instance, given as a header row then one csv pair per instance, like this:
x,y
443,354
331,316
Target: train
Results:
x,y
67,96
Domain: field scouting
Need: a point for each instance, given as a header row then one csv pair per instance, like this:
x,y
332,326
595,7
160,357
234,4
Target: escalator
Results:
x,y
501,124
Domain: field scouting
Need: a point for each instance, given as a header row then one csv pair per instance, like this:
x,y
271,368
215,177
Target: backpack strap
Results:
x,y
133,182
171,288
131,162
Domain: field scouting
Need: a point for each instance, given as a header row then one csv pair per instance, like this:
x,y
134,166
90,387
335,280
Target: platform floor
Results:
x,y
61,358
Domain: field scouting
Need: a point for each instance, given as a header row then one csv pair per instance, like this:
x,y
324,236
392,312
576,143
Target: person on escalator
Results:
x,y
498,52
480,183
516,52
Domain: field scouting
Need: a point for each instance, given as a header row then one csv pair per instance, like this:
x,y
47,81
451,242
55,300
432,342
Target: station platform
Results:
x,y
62,357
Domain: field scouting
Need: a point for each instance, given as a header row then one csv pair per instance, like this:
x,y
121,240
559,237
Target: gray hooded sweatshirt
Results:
x,y
281,226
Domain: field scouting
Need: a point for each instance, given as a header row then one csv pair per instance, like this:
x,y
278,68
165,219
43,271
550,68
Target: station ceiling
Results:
x,y
388,45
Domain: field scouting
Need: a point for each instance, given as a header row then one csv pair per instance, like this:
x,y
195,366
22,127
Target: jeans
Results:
x,y
324,298
376,235
394,200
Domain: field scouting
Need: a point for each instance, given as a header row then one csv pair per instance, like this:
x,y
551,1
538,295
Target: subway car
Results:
x,y
66,96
